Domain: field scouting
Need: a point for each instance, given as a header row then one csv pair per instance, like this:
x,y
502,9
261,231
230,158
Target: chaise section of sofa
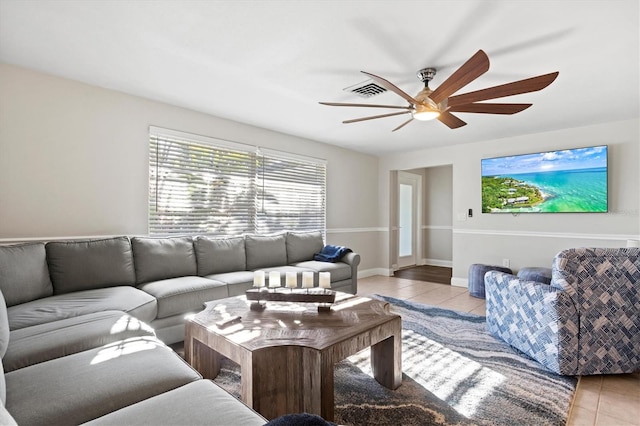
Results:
x,y
86,385
125,381
44,342
198,403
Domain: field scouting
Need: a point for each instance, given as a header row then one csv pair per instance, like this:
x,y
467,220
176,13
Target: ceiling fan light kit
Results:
x,y
440,103
426,109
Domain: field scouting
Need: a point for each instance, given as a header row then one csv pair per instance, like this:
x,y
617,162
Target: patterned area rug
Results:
x,y
454,373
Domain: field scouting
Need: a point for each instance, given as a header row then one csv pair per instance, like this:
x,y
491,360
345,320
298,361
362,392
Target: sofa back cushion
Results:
x,y
301,246
90,264
24,275
162,258
4,328
264,251
220,255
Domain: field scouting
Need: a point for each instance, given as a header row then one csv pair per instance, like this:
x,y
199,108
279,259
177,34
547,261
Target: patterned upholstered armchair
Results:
x,y
587,321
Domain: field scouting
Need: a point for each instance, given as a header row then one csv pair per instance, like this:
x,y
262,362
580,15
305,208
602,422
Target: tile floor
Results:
x,y
611,400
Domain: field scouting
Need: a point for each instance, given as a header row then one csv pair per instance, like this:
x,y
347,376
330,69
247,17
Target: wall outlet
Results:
x,y
506,263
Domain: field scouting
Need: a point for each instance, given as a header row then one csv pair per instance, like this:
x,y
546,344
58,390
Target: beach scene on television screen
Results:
x,y
563,181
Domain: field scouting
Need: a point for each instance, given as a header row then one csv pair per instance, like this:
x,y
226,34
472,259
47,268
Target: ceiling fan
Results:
x,y
440,104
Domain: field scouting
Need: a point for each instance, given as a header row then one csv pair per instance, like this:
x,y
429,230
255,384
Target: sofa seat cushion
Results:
x,y
197,403
83,386
184,294
237,282
127,299
238,277
219,255
89,264
339,270
24,275
43,342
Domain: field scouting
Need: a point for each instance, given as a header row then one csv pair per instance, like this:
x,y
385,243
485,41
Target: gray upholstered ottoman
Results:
x,y
541,275
476,277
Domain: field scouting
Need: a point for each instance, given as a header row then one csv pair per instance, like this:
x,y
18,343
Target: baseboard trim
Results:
x,y
375,271
438,262
459,282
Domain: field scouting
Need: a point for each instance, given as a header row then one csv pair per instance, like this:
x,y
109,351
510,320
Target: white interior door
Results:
x,y
408,218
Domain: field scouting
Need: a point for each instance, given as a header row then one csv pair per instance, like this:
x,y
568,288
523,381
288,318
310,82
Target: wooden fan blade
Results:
x,y
527,85
390,86
364,105
477,65
355,120
451,120
493,108
403,124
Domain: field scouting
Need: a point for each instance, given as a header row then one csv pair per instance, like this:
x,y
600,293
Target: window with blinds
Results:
x,y
205,186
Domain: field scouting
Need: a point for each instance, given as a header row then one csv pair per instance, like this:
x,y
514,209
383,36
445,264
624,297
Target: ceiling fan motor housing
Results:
x,y
426,75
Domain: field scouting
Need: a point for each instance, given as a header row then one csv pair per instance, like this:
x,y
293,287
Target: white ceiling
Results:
x,y
268,63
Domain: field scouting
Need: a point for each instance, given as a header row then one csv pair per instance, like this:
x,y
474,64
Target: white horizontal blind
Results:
x,y
291,194
203,186
196,188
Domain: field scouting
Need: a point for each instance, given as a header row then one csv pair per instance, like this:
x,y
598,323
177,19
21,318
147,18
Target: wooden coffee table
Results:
x,y
287,352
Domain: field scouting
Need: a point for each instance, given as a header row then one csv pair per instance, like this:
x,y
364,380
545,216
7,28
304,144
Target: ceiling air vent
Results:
x,y
366,89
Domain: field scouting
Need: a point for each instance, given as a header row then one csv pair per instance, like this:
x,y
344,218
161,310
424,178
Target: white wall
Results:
x,y
438,205
74,162
530,239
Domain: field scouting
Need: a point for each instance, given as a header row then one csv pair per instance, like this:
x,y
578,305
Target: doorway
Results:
x,y
427,232
409,216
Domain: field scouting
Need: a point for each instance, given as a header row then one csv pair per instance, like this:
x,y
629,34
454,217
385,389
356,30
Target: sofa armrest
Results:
x,y
352,259
538,319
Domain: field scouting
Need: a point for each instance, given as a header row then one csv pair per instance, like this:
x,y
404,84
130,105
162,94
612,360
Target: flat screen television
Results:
x,y
562,181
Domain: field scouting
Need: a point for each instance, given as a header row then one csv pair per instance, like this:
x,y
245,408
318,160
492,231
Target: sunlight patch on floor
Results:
x,y
455,379
459,381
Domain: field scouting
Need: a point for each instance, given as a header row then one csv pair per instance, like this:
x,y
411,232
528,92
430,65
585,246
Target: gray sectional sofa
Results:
x,y
84,334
